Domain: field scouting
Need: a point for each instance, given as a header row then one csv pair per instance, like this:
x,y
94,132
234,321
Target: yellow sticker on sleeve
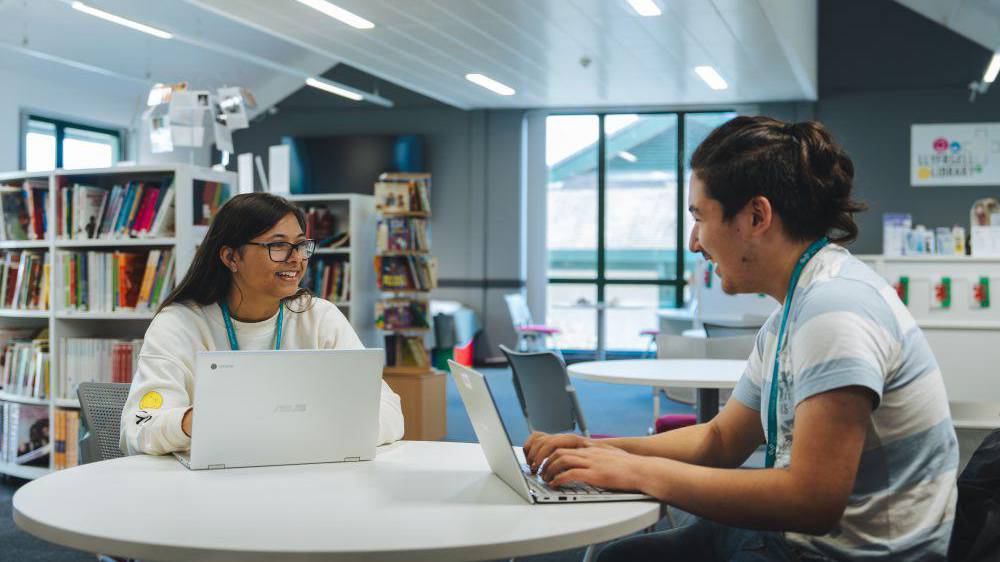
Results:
x,y
151,401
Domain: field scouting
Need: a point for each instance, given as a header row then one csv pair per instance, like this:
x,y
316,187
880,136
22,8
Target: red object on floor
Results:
x,y
462,354
649,332
674,421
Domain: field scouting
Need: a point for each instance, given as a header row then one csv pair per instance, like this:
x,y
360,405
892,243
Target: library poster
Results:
x,y
955,154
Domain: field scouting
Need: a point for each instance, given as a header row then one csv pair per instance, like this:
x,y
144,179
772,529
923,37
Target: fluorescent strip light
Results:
x,y
992,69
328,87
711,77
490,84
628,156
645,8
338,13
81,7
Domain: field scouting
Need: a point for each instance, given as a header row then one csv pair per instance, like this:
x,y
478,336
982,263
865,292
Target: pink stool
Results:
x,y
674,421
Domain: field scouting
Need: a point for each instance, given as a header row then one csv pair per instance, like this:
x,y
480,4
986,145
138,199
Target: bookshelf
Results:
x,y
189,210
406,274
353,214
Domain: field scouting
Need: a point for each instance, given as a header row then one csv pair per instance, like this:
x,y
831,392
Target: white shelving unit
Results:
x,y
124,324
357,212
963,337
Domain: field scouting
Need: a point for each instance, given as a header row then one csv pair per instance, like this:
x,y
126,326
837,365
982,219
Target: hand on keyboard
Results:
x,y
604,467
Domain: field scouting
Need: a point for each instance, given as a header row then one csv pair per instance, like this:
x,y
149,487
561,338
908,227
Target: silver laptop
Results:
x,y
260,408
503,459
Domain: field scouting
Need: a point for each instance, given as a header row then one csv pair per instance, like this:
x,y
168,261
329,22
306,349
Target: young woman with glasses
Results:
x,y
241,292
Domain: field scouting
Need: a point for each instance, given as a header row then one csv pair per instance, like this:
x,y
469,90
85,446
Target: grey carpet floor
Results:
x,y
609,409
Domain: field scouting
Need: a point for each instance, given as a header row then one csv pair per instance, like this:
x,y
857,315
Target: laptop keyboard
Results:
x,y
572,488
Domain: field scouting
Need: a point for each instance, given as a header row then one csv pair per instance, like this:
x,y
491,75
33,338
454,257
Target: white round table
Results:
x,y
705,375
419,501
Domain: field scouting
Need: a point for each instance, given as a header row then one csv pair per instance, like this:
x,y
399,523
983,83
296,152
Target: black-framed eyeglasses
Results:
x,y
282,251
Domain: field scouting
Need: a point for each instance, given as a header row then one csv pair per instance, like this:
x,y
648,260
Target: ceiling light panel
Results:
x,y
338,13
107,16
711,77
326,86
991,71
490,84
646,8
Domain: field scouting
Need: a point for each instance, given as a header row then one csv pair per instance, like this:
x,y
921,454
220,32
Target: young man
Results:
x,y
841,386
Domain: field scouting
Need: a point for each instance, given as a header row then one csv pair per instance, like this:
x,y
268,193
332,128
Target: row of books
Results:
x,y
95,360
402,234
66,439
22,210
24,434
329,279
406,351
402,193
207,197
134,210
406,273
402,314
321,226
23,283
26,367
100,281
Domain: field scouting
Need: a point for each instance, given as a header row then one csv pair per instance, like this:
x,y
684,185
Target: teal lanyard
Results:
x,y
231,332
772,405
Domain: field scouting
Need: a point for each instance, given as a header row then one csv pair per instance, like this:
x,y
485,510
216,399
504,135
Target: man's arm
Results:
x,y
809,496
724,442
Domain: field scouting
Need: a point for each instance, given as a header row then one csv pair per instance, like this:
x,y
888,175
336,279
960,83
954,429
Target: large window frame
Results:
x,y
60,126
600,280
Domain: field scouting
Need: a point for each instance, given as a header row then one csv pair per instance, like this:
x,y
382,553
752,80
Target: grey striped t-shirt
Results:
x,y
847,327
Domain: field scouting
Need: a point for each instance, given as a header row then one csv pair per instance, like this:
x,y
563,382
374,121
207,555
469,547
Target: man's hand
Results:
x,y
605,467
186,422
540,446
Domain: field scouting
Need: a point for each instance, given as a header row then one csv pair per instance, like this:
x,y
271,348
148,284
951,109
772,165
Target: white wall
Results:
x,y
55,90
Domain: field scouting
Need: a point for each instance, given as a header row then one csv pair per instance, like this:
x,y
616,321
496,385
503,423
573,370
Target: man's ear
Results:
x,y
761,214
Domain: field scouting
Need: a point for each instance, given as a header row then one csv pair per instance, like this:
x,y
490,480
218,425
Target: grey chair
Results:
x,y
547,397
101,406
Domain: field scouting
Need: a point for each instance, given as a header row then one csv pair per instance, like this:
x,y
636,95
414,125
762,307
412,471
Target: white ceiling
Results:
x,y
977,20
48,41
765,49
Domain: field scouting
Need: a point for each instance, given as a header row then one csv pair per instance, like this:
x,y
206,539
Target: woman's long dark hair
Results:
x,y
241,219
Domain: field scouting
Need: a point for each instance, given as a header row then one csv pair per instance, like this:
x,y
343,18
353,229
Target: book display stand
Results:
x,y
405,273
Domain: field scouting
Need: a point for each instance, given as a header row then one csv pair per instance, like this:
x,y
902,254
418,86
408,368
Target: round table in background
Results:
x,y
705,375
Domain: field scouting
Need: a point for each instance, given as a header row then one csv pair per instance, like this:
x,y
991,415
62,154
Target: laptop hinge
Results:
x,y
352,459
215,466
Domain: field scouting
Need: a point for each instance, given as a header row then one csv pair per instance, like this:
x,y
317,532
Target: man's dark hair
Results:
x,y
798,167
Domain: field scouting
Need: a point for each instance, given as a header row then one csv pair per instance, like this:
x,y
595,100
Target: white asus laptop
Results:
x,y
260,408
500,454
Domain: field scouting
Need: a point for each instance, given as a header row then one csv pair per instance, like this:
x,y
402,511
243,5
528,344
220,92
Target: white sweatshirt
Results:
x,y
163,386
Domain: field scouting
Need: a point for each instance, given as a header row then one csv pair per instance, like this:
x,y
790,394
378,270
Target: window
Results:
x,y
51,143
617,223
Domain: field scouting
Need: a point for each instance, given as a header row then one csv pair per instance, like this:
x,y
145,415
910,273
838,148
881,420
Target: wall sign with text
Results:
x,y
955,154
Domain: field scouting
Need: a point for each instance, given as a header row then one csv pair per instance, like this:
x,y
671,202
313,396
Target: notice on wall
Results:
x,y
955,154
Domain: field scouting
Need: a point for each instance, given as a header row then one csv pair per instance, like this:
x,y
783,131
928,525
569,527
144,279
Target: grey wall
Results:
x,y
474,157
880,148
883,68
